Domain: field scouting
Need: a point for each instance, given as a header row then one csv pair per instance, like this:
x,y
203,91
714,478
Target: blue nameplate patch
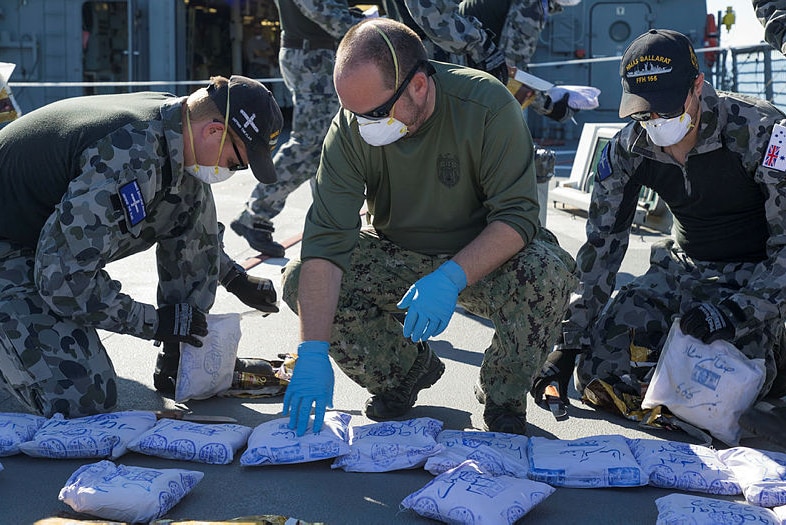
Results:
x,y
133,202
604,164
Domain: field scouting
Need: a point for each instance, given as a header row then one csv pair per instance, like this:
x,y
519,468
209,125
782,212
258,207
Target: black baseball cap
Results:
x,y
255,117
657,70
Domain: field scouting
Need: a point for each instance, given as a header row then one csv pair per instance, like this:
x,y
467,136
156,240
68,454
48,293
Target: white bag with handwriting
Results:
x,y
127,493
707,385
207,370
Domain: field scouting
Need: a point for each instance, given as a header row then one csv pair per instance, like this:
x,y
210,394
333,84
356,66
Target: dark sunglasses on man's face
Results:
x,y
384,110
239,165
644,116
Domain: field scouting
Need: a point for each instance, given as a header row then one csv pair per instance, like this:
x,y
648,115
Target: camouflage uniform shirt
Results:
x,y
464,31
91,180
772,15
727,206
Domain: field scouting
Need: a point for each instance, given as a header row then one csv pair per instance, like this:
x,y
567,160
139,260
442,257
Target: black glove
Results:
x,y
709,323
558,109
180,323
625,384
495,65
256,292
493,61
165,374
357,12
558,368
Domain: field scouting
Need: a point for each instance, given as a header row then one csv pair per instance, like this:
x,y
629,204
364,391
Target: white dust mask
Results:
x,y
381,132
667,131
210,174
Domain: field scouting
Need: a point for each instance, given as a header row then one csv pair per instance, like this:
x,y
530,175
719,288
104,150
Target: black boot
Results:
x,y
499,418
260,238
426,371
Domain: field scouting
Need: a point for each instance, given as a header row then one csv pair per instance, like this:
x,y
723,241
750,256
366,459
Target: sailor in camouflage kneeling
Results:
x,y
90,180
716,159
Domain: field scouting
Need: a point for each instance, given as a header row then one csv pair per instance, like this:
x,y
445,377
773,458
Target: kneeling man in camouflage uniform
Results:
x,y
715,159
90,180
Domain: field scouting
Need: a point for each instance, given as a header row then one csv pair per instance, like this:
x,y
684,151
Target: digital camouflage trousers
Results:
x,y
50,364
525,299
641,314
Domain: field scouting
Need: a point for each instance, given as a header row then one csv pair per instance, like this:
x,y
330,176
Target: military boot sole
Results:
x,y
258,240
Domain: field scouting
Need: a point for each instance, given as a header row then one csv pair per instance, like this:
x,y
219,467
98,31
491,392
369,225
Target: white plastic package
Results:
x,y
125,493
590,462
215,444
273,443
780,512
579,97
390,445
496,453
761,474
206,371
98,436
15,429
684,509
468,495
707,385
683,466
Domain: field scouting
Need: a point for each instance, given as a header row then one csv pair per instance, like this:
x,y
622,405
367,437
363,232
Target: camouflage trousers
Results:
x,y
643,310
309,77
525,299
50,364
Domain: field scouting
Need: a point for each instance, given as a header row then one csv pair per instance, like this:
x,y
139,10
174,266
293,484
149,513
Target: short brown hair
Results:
x,y
363,43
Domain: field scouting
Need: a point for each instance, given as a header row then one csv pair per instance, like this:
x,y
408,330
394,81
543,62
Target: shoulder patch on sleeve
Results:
x,y
775,155
133,203
604,163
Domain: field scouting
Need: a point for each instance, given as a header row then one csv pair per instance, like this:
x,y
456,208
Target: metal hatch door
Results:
x,y
109,39
613,26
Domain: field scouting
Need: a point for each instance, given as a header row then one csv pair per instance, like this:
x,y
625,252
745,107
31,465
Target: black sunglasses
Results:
x,y
384,110
239,165
644,116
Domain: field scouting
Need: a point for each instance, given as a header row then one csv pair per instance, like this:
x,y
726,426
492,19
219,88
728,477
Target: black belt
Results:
x,y
307,44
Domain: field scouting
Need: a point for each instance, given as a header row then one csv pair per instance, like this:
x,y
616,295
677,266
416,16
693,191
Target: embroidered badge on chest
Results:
x,y
133,203
448,170
775,156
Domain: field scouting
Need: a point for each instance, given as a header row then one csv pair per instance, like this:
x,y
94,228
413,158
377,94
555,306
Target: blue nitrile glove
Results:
x,y
431,301
311,384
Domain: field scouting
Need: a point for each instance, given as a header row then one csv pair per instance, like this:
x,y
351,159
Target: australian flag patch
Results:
x,y
133,203
775,155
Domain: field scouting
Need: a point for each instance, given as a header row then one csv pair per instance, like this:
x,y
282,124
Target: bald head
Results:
x,y
365,43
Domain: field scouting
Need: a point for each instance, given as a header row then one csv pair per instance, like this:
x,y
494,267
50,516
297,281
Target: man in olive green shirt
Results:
x,y
444,161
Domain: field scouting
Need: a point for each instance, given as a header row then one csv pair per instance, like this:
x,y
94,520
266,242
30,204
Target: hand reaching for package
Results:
x,y
311,385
